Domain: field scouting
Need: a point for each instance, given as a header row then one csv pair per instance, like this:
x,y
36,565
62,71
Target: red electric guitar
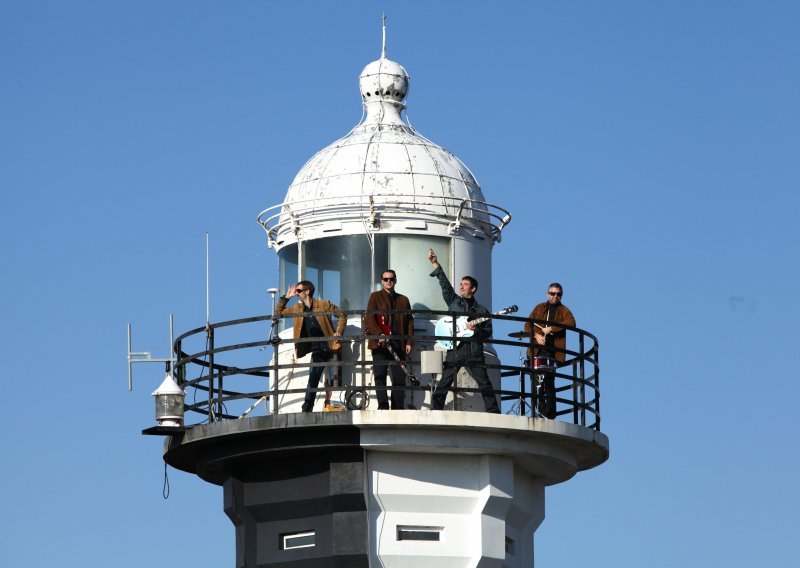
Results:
x,y
386,330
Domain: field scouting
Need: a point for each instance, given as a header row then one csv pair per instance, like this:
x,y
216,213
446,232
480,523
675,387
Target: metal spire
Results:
x,y
383,47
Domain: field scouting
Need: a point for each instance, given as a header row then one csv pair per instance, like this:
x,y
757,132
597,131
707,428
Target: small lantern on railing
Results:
x,y
169,403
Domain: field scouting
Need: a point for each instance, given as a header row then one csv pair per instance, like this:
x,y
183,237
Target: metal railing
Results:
x,y
457,212
223,375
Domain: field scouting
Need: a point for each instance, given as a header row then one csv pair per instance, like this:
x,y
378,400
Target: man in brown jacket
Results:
x,y
395,324
552,340
313,326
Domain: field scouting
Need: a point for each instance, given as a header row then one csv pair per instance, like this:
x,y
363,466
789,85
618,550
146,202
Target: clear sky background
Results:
x,y
647,150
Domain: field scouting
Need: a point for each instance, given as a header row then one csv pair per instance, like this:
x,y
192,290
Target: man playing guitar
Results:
x,y
469,353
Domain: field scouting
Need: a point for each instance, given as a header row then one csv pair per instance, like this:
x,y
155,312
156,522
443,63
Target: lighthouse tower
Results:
x,y
379,198
385,488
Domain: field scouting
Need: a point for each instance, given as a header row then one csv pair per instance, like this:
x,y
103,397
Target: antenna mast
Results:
x,y
208,293
383,46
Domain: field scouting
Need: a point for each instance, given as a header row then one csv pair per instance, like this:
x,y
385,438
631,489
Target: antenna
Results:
x,y
383,46
208,288
147,356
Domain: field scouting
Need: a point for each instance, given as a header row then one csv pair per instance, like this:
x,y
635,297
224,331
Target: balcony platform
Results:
x,y
551,450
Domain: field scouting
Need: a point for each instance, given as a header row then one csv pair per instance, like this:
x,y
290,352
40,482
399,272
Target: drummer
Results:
x,y
551,338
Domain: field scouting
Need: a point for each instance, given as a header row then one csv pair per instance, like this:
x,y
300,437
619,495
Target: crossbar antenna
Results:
x,y
147,356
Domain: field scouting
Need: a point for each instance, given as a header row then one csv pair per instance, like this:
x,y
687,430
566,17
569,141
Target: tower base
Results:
x,y
407,488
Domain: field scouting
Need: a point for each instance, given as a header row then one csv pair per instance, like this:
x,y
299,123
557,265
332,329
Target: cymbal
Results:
x,y
519,334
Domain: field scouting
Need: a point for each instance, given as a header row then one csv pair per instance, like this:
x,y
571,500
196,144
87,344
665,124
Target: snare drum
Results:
x,y
543,364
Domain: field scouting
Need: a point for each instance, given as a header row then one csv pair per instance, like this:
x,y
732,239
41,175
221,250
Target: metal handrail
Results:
x,y
490,218
576,378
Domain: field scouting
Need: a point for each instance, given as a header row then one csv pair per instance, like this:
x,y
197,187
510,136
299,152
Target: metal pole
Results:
x,y
275,340
208,283
582,372
130,373
597,383
210,335
171,347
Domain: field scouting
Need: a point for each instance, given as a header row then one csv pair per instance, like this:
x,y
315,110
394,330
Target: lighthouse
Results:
x,y
364,487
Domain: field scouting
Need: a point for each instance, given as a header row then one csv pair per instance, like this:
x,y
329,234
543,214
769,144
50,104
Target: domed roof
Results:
x,y
383,155
383,176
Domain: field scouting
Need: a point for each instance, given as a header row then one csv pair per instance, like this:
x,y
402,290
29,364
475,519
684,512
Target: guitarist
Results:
x,y
469,353
387,325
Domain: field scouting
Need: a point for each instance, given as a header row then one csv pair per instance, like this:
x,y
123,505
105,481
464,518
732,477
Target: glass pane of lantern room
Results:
x,y
408,256
287,267
340,269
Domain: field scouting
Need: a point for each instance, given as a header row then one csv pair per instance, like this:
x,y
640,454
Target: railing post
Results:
x,y
275,376
362,357
582,373
210,335
180,371
597,384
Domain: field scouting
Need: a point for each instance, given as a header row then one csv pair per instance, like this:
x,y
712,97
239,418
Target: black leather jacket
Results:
x,y
456,303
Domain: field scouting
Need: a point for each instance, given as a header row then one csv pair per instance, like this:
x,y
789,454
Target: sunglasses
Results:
x,y
556,294
389,279
298,290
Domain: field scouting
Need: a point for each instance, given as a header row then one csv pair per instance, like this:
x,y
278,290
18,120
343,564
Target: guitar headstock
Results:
x,y
508,310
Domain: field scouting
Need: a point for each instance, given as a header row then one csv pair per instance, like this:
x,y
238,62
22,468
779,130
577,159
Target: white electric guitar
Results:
x,y
444,327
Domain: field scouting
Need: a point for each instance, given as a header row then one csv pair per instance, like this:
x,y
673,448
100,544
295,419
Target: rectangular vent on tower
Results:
x,y
510,546
290,541
419,533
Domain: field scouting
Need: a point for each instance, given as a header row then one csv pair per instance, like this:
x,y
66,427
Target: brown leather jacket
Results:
x,y
325,322
405,322
559,334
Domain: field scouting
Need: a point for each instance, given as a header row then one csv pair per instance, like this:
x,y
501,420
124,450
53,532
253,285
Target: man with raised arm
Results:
x,y
468,353
313,326
551,339
387,325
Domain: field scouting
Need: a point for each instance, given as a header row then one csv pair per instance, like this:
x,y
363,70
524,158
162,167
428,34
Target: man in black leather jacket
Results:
x,y
469,353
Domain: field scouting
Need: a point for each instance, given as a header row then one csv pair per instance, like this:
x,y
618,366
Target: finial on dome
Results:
x,y
383,46
384,86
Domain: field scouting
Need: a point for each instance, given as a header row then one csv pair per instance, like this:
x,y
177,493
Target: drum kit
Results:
x,y
540,367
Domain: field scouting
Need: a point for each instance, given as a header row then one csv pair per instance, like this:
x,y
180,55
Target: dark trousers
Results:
x,y
314,375
381,355
456,359
546,401
547,396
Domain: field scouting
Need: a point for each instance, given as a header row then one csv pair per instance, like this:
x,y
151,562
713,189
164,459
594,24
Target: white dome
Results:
x,y
382,169
376,159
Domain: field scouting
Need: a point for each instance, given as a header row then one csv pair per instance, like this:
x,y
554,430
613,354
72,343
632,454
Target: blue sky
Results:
x,y
648,154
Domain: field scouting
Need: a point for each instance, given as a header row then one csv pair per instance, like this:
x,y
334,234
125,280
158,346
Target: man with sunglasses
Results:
x,y
399,324
319,327
552,340
468,354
